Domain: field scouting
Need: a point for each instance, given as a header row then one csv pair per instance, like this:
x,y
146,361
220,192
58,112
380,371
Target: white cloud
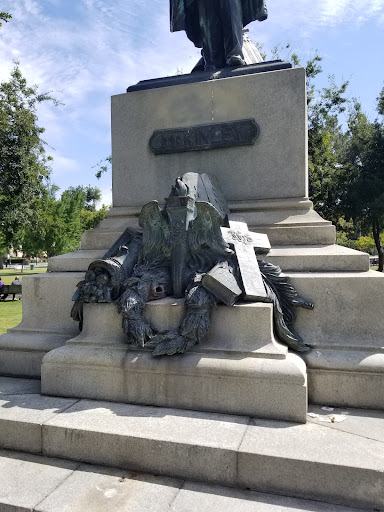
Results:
x,y
106,198
309,15
87,50
65,165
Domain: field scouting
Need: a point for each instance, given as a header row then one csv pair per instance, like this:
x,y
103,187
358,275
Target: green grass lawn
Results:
x,y
10,314
8,274
11,311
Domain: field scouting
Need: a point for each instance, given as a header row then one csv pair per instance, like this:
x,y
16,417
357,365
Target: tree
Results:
x,y
93,194
4,16
325,106
361,195
24,166
59,223
91,219
103,166
324,146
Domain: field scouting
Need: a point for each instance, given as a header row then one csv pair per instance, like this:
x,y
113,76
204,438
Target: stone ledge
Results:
x,y
291,258
77,261
43,484
318,258
327,462
239,368
269,388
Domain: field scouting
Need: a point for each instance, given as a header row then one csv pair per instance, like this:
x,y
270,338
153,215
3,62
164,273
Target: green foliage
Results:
x,y
31,216
24,167
324,142
343,239
91,219
324,132
59,223
103,166
363,243
366,244
92,194
279,49
380,103
361,195
4,16
324,138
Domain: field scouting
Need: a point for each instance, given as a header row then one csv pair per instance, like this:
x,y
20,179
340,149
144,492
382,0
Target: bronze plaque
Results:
x,y
204,136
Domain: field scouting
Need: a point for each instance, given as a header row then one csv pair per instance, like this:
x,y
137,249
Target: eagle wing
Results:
x,y
155,248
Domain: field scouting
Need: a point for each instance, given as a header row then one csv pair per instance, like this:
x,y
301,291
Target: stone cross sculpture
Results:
x,y
184,250
247,245
216,27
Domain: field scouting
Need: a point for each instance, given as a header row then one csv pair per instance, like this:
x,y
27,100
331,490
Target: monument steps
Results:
x,y
299,258
340,463
41,484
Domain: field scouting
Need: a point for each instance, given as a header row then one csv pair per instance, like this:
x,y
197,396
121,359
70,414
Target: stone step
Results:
x,y
239,369
318,258
300,258
339,463
43,484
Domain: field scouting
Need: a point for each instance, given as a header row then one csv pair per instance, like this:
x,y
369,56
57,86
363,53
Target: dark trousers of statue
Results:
x,y
221,27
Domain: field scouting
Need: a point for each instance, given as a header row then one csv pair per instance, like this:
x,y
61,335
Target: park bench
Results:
x,y
7,289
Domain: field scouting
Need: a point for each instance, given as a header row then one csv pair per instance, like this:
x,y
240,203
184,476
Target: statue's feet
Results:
x,y
235,60
199,66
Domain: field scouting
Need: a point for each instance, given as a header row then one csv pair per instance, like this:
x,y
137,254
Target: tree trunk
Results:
x,y
376,237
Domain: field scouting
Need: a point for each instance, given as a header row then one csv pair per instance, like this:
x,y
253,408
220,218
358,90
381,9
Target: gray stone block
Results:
x,y
63,487
77,261
27,479
21,418
345,331
209,498
348,387
95,488
276,100
360,422
238,369
318,258
12,386
311,461
46,323
335,463
166,442
346,309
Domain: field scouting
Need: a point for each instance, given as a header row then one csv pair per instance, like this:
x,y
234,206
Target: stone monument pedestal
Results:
x,y
267,184
239,369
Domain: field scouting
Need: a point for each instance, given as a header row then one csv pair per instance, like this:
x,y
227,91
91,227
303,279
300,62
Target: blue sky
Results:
x,y
87,50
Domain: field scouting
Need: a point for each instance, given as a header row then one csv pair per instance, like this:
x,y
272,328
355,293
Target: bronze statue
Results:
x,y
216,26
183,251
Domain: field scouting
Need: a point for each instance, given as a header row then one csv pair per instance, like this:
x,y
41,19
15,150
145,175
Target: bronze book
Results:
x,y
222,283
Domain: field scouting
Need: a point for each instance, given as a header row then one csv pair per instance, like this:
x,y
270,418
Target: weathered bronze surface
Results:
x,y
221,281
216,27
205,188
184,251
205,76
205,136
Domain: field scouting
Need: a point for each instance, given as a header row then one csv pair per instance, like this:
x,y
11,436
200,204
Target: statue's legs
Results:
x,y
221,27
232,27
211,31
